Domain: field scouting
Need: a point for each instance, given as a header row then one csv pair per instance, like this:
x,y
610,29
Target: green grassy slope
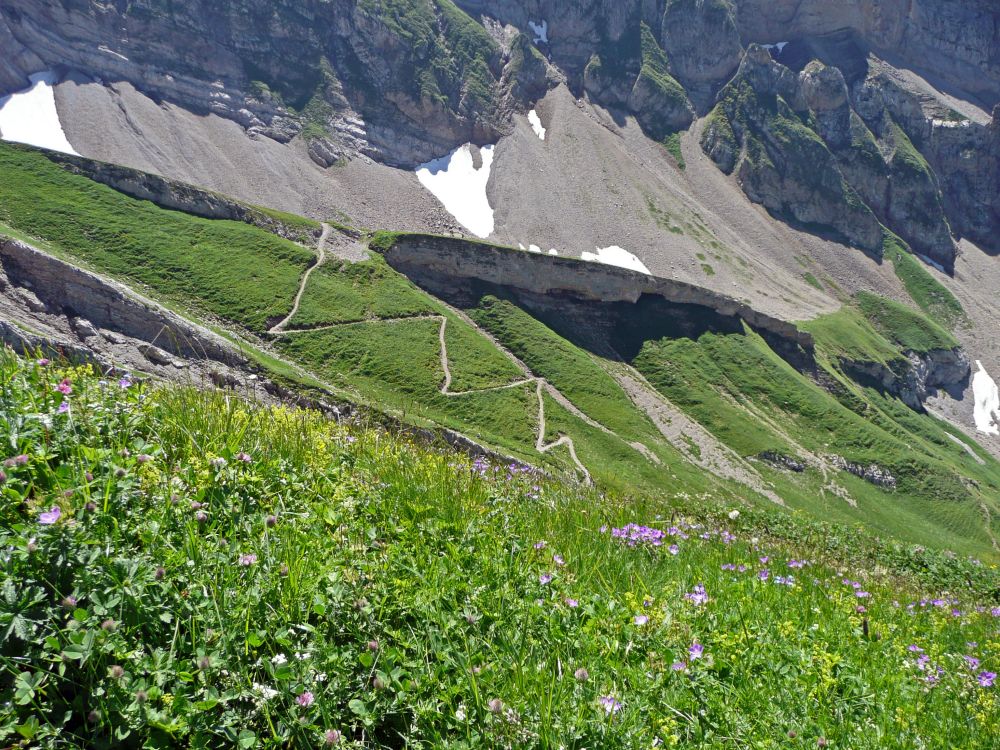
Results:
x,y
377,336
754,401
183,569
225,268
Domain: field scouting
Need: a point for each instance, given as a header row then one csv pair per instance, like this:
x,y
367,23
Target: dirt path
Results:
x,y
542,386
320,257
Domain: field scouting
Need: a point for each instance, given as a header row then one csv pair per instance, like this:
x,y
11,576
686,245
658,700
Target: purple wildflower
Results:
x,y
572,603
558,560
673,549
247,560
63,407
696,650
609,704
125,382
540,545
43,362
698,595
679,666
764,574
50,517
306,699
914,648
545,578
986,679
972,661
64,387
641,619
243,457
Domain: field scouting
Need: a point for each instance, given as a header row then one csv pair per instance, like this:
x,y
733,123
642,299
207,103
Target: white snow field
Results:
x,y
461,188
616,256
30,116
987,397
541,31
536,124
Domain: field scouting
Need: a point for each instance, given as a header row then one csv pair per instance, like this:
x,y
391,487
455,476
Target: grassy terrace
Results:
x,y
182,569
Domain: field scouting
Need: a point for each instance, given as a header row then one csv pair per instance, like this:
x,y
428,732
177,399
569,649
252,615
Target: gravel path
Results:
x,y
320,257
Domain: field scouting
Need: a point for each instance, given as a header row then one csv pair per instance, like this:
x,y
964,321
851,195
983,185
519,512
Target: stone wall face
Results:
x,y
423,256
65,289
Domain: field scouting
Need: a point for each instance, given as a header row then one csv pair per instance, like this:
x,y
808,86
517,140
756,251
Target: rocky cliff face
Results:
x,y
833,129
399,81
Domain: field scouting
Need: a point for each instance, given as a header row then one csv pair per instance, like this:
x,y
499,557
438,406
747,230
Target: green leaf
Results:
x,y
358,707
246,739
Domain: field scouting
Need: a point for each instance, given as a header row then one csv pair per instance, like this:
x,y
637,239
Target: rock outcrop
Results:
x,y
188,198
916,377
438,261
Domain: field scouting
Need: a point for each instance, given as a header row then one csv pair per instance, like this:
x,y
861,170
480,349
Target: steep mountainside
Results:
x,y
723,246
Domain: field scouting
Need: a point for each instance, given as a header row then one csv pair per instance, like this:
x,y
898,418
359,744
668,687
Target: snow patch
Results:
x,y
987,402
534,249
616,256
779,46
30,116
541,31
553,251
461,188
951,123
536,124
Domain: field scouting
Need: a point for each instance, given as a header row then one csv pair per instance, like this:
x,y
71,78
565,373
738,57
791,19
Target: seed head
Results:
x,y
160,572
116,671
109,626
496,706
271,521
91,506
581,675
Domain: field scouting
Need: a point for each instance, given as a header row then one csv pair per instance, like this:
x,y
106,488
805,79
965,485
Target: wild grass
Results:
x,y
181,568
224,268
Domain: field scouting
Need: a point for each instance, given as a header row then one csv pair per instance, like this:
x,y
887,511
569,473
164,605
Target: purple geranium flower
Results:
x,y
986,679
641,619
545,578
609,704
698,596
696,650
50,517
679,666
